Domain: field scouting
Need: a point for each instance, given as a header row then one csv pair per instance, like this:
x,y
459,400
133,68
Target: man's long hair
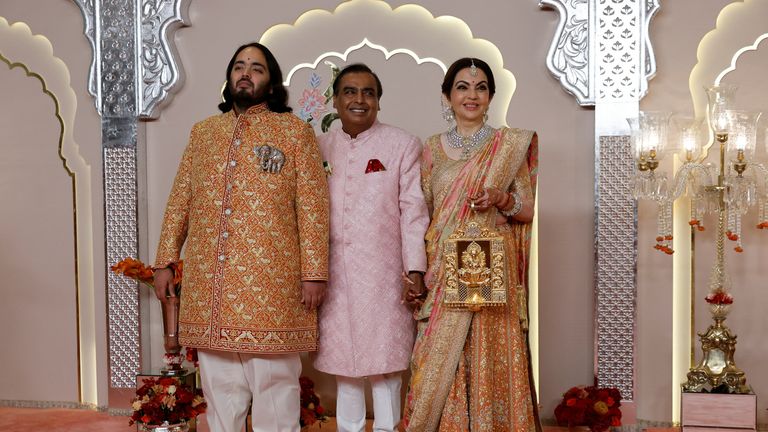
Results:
x,y
277,98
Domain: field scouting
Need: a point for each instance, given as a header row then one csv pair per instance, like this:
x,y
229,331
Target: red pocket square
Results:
x,y
374,165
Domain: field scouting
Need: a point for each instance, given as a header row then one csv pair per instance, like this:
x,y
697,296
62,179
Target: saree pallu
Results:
x,y
470,370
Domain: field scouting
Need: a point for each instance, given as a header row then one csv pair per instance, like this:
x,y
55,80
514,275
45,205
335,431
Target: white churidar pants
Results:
x,y
350,402
231,379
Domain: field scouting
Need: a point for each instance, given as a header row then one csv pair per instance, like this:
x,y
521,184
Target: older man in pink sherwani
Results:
x,y
378,221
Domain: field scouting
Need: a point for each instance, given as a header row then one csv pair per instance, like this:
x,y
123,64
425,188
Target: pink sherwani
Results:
x,y
378,221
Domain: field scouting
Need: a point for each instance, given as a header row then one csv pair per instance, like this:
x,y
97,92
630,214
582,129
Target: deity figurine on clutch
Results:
x,y
476,274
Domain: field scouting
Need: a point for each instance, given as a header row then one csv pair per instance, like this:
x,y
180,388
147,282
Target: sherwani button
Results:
x,y
238,142
232,163
222,257
228,212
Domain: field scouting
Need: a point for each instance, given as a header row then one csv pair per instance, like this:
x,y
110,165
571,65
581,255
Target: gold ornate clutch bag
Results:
x,y
475,268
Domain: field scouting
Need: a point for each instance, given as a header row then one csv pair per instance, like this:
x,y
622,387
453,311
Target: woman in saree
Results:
x,y
470,370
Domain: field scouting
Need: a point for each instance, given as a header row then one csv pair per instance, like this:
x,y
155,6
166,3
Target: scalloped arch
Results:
x,y
740,27
441,40
34,54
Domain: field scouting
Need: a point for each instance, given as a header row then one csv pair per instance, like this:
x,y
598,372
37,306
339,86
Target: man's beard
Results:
x,y
244,99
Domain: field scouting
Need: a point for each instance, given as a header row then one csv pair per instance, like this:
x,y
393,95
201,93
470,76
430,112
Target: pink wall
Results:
x,y
522,32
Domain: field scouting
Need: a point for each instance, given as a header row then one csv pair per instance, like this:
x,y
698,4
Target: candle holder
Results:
x,y
728,191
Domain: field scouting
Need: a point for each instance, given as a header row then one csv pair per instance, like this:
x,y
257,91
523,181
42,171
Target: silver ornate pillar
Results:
x,y
602,55
132,74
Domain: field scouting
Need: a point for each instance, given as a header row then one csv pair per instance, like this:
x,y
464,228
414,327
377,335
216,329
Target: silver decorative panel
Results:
x,y
569,58
132,74
160,73
118,58
120,205
145,47
602,42
616,252
117,90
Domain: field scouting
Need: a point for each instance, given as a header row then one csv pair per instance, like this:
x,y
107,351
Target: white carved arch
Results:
x,y
34,53
740,28
442,40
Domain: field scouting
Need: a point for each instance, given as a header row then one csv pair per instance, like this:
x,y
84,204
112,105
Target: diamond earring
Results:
x,y
447,111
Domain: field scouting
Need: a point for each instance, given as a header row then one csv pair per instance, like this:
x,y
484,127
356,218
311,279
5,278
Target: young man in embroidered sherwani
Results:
x,y
378,221
250,200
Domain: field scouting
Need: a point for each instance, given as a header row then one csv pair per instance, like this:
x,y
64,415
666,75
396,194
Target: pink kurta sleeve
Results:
x,y
176,220
426,177
312,208
414,216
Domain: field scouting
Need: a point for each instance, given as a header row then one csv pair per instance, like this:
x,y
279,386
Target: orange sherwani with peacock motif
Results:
x,y
251,235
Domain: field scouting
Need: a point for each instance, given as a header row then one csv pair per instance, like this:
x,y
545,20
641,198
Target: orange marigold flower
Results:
x,y
177,272
660,238
738,249
668,237
700,228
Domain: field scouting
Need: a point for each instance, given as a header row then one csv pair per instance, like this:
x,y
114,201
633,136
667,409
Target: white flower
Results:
x,y
171,389
136,405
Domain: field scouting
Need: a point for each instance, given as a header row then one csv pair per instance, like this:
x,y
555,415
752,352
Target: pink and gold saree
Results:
x,y
470,370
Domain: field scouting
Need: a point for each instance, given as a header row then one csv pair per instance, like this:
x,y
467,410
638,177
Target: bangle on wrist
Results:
x,y
516,207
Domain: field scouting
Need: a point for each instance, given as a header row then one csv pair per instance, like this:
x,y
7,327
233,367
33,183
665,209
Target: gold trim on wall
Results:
x,y
73,183
34,54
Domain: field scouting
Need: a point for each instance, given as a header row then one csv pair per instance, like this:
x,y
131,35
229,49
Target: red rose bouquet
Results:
x,y
166,401
311,411
597,408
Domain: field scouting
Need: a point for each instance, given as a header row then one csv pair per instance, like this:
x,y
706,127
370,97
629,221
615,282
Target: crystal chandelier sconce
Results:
x,y
649,145
727,190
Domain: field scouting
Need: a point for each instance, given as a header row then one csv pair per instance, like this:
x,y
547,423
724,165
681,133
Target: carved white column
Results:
x,y
602,55
133,73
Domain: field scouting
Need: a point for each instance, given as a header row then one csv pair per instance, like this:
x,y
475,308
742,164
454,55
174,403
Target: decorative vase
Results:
x,y
170,308
178,427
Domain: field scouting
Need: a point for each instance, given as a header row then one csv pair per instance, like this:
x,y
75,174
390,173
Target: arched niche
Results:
x,y
20,50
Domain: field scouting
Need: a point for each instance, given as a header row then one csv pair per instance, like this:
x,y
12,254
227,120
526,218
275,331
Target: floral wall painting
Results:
x,y
314,103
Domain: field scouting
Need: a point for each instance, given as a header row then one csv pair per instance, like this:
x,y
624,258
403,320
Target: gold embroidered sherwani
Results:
x,y
251,236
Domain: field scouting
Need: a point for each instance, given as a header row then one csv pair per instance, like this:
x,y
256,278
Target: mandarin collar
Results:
x,y
254,110
362,135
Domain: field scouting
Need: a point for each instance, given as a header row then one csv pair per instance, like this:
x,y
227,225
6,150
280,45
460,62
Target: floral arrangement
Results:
x,y
166,401
719,298
311,410
597,408
136,270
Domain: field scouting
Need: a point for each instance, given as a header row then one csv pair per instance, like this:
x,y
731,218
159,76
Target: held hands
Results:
x,y
414,292
486,198
312,294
